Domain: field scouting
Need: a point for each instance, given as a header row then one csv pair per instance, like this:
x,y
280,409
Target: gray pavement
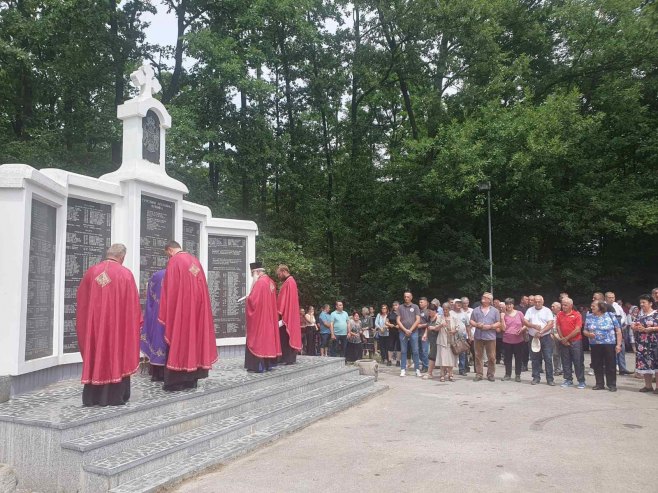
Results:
x,y
463,436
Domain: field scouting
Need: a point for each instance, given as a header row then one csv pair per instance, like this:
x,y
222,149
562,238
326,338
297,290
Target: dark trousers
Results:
x,y
604,362
393,340
383,347
289,355
309,343
572,355
515,350
337,347
545,354
500,345
525,353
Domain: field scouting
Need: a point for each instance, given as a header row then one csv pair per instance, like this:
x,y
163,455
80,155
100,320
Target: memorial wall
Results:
x,y
88,236
40,314
58,224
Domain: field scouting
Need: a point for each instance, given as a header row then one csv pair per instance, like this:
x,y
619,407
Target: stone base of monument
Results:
x,y
161,438
368,367
8,479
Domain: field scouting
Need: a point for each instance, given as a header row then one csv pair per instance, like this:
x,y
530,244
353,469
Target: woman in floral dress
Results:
x,y
645,327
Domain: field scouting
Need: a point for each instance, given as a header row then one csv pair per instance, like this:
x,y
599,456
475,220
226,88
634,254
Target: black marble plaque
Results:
x,y
227,282
192,237
156,230
88,236
151,137
39,324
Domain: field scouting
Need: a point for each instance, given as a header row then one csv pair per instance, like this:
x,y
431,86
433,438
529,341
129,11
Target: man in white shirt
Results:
x,y
541,326
611,300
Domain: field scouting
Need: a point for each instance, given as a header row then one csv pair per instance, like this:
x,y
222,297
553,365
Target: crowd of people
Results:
x,y
548,341
176,334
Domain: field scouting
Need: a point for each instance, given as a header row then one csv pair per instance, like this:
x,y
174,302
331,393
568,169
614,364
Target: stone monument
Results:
x,y
56,224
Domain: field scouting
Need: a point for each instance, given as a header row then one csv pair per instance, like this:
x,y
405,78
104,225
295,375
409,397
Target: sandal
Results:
x,y
646,389
451,378
442,379
427,376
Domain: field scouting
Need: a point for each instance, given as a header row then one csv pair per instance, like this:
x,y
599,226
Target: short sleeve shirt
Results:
x,y
340,322
325,321
490,318
408,314
569,322
603,327
538,317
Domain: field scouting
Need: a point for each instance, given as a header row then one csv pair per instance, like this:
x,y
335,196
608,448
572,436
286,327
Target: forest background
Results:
x,y
356,133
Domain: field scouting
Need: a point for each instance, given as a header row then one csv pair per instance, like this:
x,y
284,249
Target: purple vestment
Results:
x,y
152,342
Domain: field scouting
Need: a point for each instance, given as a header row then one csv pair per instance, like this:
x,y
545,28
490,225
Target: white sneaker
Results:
x,y
590,372
418,373
403,373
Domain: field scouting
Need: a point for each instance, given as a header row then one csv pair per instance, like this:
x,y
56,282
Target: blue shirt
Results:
x,y
603,327
325,318
492,317
340,322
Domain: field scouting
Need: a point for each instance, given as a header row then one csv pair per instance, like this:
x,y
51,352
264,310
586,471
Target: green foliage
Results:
x,y
356,133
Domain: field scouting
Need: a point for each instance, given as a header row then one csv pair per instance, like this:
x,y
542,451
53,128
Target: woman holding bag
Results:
x,y
445,358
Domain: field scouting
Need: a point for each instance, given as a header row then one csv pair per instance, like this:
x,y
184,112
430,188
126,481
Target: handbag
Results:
x,y
459,346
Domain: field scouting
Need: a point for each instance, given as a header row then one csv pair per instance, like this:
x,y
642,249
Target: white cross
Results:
x,y
144,79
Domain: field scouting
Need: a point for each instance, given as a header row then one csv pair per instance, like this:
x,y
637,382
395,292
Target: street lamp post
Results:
x,y
482,187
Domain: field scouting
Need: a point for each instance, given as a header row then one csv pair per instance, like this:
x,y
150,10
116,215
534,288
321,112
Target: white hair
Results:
x,y
118,250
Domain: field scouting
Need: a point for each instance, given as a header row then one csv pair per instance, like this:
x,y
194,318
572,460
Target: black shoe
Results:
x,y
646,389
388,363
624,372
397,363
535,381
598,387
491,379
462,373
524,368
551,383
612,389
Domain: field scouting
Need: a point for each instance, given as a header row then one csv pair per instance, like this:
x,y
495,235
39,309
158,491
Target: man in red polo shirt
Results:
x,y
569,339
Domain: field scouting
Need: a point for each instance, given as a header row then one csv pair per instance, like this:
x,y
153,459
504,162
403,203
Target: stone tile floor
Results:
x,y
60,405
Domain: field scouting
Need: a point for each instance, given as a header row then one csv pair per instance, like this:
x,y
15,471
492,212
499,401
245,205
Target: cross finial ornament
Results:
x,y
144,79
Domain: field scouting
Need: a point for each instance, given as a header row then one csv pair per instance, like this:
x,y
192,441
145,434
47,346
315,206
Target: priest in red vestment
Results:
x,y
263,344
108,320
288,307
186,314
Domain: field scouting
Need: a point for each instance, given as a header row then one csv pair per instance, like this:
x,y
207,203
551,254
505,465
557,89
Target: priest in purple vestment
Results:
x,y
152,341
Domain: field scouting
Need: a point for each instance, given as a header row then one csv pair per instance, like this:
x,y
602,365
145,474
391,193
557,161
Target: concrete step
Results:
x,y
131,463
169,475
154,425
227,380
59,407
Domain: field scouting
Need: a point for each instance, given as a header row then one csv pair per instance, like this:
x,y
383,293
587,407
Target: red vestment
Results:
x,y
108,320
288,305
186,315
262,319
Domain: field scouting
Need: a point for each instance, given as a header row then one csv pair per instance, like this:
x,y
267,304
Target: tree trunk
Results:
x,y
174,84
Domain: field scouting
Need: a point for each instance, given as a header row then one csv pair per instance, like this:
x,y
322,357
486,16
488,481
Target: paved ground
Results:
x,y
463,436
